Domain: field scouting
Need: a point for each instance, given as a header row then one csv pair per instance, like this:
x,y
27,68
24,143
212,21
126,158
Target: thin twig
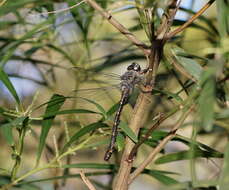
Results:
x,y
156,52
120,27
167,18
60,10
86,181
2,3
160,146
190,21
149,132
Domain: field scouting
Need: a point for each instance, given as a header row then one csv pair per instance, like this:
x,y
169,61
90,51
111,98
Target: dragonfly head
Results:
x,y
134,67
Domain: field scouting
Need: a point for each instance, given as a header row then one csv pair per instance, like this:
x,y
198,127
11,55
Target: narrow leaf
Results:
x,y
222,14
55,104
113,109
207,99
5,79
85,130
120,142
99,107
186,155
72,111
128,132
189,64
64,177
15,123
160,176
91,166
7,133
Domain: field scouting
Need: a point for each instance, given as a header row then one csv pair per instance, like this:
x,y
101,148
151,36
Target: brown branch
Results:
x,y
167,19
86,181
191,20
162,117
120,27
160,146
139,116
142,107
149,132
158,43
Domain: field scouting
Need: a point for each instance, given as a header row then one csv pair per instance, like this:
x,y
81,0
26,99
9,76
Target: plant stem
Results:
x,y
130,36
18,152
191,20
160,146
52,163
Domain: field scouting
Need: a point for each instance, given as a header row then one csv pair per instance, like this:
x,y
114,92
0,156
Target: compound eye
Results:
x,y
134,66
137,67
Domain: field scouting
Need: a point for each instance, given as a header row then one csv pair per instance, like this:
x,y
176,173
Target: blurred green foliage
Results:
x,y
74,48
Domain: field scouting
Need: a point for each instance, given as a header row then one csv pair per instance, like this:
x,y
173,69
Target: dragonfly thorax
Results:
x,y
129,79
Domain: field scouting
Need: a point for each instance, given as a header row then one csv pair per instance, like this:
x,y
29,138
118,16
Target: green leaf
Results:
x,y
99,107
207,99
16,122
85,130
4,180
28,187
4,171
224,177
97,144
2,110
222,15
5,79
186,155
112,110
168,94
144,18
11,6
72,111
54,105
120,142
189,64
7,133
128,131
224,114
159,135
11,47
160,176
64,177
91,166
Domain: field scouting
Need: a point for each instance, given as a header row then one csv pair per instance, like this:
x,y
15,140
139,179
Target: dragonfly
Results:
x,y
132,77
